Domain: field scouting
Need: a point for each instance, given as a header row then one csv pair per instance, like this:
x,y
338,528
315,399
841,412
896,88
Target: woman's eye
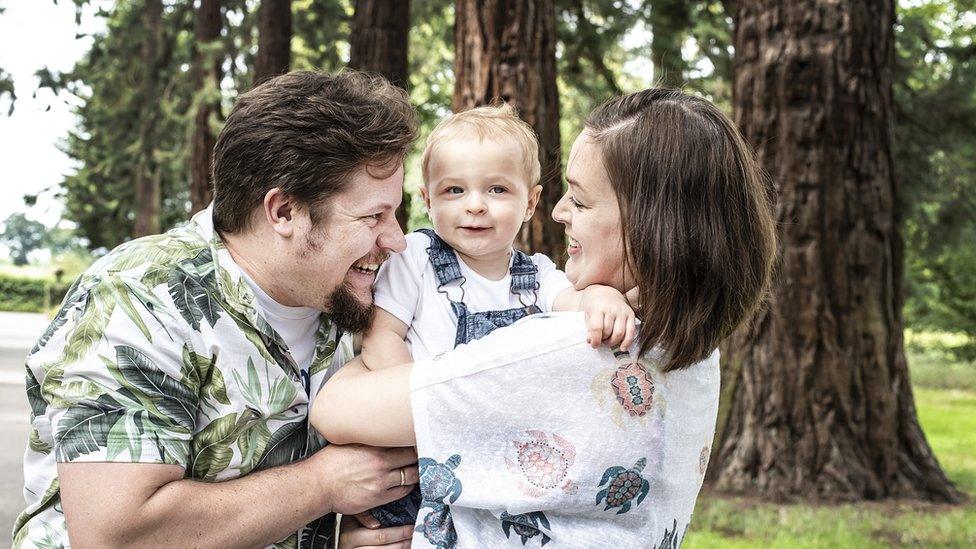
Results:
x,y
576,204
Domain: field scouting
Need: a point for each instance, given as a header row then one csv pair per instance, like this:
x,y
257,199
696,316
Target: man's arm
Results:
x,y
138,504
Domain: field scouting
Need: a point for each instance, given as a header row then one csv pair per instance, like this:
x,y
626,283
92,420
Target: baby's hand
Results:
x,y
608,317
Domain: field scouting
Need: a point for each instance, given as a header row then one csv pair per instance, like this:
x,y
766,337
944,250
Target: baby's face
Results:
x,y
478,196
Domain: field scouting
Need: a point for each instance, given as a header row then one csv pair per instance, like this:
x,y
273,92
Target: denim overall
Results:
x,y
470,326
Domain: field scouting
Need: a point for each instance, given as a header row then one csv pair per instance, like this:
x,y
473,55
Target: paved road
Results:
x,y
18,331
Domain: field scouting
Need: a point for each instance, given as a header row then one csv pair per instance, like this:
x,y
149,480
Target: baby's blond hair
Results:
x,y
496,122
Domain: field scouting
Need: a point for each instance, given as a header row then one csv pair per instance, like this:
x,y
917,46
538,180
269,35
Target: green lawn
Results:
x,y
945,395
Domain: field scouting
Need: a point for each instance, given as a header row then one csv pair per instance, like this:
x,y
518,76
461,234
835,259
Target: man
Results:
x,y
169,395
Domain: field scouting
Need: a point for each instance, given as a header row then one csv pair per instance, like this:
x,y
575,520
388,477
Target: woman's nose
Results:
x,y
560,212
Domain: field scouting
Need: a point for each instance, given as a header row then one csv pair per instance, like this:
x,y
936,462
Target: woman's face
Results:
x,y
590,212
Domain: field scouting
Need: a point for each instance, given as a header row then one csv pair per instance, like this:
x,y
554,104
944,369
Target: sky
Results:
x,y
35,34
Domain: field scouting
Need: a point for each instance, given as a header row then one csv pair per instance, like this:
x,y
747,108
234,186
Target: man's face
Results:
x,y
338,259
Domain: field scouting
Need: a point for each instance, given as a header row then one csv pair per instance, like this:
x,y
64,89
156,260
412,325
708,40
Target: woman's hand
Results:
x,y
352,534
609,317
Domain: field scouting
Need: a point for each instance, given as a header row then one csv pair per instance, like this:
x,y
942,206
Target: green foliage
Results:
x,y
935,161
29,295
22,236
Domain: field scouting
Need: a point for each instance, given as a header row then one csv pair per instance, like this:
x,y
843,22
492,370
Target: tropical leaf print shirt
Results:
x,y
529,437
159,355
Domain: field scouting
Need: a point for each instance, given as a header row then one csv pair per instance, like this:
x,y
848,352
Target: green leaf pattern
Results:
x,y
158,355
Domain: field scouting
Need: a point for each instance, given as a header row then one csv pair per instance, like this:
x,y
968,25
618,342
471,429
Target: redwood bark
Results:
x,y
506,49
274,39
379,43
148,188
821,403
206,82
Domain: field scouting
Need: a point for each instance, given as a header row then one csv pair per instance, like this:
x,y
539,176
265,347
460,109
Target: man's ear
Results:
x,y
534,193
279,212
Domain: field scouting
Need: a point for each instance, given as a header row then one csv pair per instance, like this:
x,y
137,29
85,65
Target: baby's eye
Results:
x,y
454,190
497,189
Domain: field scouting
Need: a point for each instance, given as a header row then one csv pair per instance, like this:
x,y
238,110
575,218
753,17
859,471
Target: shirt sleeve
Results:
x,y
397,287
117,378
552,281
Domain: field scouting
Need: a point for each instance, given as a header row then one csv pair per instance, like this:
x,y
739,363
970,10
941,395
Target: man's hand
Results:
x,y
352,535
354,478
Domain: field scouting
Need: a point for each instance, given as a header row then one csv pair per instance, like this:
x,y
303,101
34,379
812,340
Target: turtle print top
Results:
x,y
529,437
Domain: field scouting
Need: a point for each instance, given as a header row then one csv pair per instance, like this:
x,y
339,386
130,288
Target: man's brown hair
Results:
x,y
696,218
306,132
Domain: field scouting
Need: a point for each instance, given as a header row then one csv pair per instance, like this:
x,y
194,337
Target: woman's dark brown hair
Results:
x,y
306,132
696,216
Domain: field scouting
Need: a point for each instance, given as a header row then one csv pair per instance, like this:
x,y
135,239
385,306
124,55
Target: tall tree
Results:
x,y
206,82
148,191
670,22
379,43
274,39
821,402
506,49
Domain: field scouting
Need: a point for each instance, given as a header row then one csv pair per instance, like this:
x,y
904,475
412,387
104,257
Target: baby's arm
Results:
x,y
383,343
357,406
608,314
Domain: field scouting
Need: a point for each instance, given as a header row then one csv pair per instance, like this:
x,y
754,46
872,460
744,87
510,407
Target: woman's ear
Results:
x,y
279,212
534,193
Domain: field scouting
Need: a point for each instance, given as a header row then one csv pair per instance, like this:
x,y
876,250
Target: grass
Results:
x,y
945,397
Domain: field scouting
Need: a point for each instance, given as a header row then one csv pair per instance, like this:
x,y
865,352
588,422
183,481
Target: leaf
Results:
x,y
287,444
85,428
122,298
89,328
318,534
37,403
36,444
72,298
181,289
170,397
212,451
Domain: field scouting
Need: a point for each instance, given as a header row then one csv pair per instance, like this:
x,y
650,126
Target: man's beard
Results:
x,y
347,311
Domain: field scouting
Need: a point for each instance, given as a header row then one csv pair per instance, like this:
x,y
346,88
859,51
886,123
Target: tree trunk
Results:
x,y
506,49
379,43
148,191
670,21
206,82
274,39
821,403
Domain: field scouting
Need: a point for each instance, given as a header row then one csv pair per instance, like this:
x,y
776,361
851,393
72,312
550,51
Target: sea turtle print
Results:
x,y
399,512
542,462
627,390
438,526
526,526
437,480
621,486
633,388
671,539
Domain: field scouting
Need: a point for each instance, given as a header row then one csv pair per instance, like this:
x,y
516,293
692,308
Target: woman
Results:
x,y
529,436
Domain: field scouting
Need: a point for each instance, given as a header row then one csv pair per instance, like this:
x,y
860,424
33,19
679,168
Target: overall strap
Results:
x,y
443,259
523,273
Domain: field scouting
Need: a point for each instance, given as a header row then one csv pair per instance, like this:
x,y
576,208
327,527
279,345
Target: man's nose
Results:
x,y
392,239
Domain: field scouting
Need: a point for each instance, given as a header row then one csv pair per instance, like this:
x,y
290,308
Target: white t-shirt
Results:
x,y
296,325
406,287
530,436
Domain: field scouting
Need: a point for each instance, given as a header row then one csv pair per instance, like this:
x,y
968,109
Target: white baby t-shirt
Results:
x,y
407,287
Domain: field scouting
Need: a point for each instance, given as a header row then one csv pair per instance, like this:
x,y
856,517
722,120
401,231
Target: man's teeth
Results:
x,y
367,267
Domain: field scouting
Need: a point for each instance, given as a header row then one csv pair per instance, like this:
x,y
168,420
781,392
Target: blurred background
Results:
x,y
848,411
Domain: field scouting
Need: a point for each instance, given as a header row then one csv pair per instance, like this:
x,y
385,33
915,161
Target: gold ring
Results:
x,y
403,477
